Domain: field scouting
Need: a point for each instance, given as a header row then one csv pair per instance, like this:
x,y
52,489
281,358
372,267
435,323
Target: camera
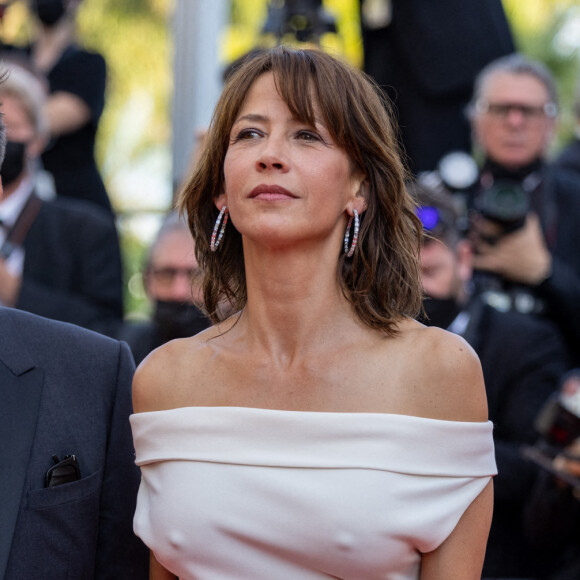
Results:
x,y
559,421
305,20
505,202
558,425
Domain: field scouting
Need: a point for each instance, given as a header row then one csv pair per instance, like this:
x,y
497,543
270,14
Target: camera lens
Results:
x,y
505,202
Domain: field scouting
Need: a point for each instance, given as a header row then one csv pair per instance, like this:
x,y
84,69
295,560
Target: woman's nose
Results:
x,y
273,156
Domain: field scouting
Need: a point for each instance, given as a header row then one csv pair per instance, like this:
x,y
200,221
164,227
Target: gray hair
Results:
x,y
515,64
29,90
172,222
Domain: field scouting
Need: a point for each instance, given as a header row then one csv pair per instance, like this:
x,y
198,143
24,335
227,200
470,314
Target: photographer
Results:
x,y
552,517
513,115
522,359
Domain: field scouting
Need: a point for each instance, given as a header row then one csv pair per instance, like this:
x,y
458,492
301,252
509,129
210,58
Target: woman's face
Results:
x,y
285,182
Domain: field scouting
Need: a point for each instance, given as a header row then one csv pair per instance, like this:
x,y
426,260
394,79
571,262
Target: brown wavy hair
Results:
x,y
382,279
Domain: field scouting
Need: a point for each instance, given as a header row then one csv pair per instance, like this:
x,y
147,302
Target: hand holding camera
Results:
x,y
558,449
568,462
520,256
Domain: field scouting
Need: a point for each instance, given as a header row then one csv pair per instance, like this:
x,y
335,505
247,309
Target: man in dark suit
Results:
x,y
426,56
523,359
513,113
58,258
171,281
68,482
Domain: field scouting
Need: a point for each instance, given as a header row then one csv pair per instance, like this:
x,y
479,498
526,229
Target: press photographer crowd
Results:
x,y
499,264
500,267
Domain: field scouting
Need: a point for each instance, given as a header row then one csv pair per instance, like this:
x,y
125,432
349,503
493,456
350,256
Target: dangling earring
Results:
x,y
214,244
350,251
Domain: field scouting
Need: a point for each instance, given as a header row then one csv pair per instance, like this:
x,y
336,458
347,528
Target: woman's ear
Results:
x,y
359,201
220,201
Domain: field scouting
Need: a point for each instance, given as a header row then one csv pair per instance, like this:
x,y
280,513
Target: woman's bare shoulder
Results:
x,y
446,374
165,378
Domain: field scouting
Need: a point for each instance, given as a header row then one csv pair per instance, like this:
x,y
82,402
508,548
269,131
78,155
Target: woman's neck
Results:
x,y
51,43
293,299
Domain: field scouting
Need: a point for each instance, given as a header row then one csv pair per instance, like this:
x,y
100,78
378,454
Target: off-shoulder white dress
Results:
x,y
236,493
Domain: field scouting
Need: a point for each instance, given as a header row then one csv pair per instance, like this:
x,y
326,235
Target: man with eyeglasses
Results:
x,y
170,280
534,260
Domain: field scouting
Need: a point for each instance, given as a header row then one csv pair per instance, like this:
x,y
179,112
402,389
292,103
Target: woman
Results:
x,y
77,80
320,431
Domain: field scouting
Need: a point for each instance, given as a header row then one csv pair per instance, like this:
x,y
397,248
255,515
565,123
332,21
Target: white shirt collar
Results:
x,y
459,325
11,207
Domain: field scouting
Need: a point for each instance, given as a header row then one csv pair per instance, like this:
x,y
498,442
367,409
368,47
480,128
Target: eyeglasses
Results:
x,y
528,112
166,276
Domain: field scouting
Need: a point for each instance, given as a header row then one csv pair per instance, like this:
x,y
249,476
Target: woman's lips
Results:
x,y
271,193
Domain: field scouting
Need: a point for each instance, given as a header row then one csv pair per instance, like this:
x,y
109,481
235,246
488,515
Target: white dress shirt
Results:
x,y
10,208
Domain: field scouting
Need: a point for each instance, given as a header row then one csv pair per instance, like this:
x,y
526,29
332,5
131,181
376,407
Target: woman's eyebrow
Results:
x,y
258,118
254,117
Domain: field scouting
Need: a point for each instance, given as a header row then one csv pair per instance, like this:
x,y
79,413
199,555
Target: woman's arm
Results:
x,y
157,571
66,113
460,556
455,391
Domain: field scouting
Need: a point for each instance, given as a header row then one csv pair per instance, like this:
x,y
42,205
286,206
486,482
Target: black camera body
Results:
x,y
558,425
505,202
502,201
304,20
559,421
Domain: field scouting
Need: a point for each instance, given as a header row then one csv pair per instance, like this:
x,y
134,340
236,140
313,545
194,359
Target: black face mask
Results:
x,y
178,320
14,162
441,312
49,12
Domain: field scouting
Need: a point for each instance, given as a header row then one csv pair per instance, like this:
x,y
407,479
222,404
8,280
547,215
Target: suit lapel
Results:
x,y
20,392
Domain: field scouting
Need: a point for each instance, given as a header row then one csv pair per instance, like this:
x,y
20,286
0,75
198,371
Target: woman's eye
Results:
x,y
308,136
246,134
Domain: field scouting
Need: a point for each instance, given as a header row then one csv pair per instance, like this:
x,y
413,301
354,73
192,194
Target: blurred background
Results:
x,y
165,63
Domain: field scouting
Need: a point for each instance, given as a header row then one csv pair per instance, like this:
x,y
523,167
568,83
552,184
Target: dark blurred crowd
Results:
x,y
500,267
500,259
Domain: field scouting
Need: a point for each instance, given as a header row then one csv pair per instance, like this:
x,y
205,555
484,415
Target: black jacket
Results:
x,y
72,266
427,59
562,289
569,157
66,390
523,359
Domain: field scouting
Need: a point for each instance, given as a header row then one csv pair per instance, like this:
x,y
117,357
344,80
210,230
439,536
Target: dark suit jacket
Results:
x,y
65,390
569,157
561,290
72,266
427,59
523,359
